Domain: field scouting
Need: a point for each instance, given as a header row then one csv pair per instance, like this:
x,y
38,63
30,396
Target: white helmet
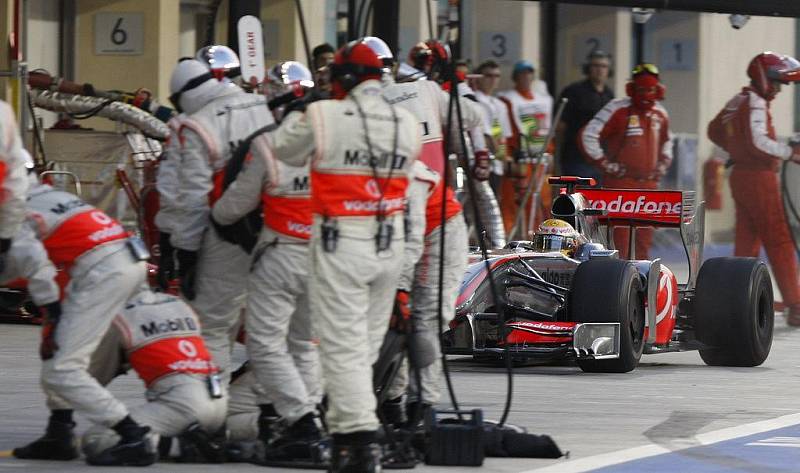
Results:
x,y
288,76
221,60
381,49
188,75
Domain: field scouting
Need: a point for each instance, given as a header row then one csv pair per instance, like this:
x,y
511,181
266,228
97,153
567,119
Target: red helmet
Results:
x,y
768,68
354,63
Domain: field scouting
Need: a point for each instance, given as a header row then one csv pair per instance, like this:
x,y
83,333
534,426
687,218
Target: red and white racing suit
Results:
x,y
92,249
744,129
420,277
13,174
280,345
159,336
429,104
27,260
633,148
208,138
352,287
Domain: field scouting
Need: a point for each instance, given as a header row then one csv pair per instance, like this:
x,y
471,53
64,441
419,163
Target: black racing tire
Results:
x,y
610,290
734,313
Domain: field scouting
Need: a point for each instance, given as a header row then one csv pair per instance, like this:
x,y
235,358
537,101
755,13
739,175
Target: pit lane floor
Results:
x,y
671,414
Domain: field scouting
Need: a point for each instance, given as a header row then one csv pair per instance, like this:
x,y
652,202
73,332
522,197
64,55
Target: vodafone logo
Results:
x,y
373,188
101,218
638,206
187,348
543,326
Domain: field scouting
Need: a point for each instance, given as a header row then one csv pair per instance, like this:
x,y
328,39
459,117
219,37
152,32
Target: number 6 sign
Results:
x,y
119,33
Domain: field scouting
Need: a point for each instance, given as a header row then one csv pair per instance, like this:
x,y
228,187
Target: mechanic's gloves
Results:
x,y
659,172
51,313
5,245
613,169
187,272
166,263
401,313
483,166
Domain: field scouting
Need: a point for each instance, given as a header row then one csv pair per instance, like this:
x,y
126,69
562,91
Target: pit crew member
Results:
x,y
218,116
744,129
13,180
362,148
630,142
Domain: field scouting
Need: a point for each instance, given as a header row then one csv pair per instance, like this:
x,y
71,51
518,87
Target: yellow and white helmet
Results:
x,y
556,235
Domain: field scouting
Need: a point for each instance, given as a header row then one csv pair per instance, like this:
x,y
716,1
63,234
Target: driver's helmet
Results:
x,y
556,235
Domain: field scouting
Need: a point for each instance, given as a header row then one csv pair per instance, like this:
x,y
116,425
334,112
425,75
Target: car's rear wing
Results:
x,y
654,208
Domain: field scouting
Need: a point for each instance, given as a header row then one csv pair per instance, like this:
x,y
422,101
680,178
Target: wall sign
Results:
x,y
119,33
501,46
677,54
585,44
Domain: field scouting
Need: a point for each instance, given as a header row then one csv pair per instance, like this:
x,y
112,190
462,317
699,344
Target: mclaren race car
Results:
x,y
605,312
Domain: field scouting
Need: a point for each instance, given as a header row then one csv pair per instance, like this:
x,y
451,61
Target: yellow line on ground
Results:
x,y
6,453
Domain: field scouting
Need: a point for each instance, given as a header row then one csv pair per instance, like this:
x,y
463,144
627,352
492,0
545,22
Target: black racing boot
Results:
x,y
392,412
416,412
58,442
355,453
270,424
198,446
133,448
301,441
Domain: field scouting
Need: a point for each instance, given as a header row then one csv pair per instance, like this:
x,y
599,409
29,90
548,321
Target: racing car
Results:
x,y
604,312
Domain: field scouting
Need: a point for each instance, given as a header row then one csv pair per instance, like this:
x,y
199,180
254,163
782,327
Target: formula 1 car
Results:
x,y
605,312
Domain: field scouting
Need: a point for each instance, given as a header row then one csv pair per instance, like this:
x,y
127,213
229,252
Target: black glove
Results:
x,y
5,245
51,313
166,262
187,272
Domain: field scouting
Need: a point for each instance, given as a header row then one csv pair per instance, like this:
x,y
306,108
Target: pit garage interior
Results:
x,y
673,413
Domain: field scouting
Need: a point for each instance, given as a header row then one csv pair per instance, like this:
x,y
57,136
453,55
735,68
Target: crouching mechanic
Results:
x,y
218,116
362,148
280,345
419,281
158,335
105,267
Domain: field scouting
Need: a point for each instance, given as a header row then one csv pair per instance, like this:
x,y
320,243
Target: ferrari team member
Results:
x,y
529,110
419,282
13,180
362,148
218,116
105,268
158,335
280,344
744,129
630,142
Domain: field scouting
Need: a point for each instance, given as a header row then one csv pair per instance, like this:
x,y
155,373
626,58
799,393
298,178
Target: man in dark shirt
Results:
x,y
586,98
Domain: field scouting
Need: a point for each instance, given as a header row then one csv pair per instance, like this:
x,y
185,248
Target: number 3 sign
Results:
x,y
119,33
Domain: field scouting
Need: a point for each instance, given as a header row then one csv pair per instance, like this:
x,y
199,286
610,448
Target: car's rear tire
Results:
x,y
734,313
610,290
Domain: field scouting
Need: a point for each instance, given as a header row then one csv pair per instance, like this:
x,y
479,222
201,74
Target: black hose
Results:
x,y
212,21
482,241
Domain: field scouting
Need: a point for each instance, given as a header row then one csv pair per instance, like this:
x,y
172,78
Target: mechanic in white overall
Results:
x,y
218,116
280,346
105,267
158,335
361,149
13,179
220,60
420,280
